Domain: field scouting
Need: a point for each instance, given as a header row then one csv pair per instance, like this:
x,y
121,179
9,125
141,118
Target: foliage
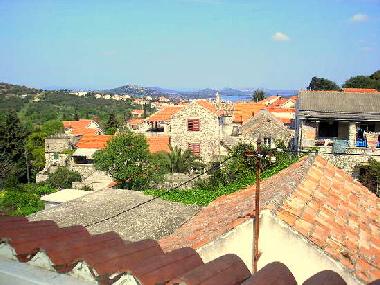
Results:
x,y
87,188
258,95
62,178
179,161
127,159
318,83
111,125
24,199
376,75
238,173
362,81
370,176
12,150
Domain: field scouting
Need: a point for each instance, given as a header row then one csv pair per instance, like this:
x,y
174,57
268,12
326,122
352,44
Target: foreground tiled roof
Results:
x,y
93,141
108,259
165,114
319,201
159,143
339,215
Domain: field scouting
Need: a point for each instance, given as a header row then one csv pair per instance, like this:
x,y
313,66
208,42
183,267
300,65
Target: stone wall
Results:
x,y
348,162
308,133
175,179
85,170
207,136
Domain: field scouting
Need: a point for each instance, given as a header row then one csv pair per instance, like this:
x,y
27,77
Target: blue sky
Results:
x,y
187,43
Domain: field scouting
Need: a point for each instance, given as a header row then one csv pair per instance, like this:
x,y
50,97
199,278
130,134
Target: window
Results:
x,y
268,141
193,125
195,148
56,156
328,129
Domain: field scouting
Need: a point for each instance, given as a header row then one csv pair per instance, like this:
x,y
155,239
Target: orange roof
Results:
x,y
159,143
360,90
165,114
93,141
135,121
208,105
80,127
280,110
137,111
322,203
246,110
285,120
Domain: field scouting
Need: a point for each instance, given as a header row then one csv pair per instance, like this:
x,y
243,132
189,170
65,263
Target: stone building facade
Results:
x,y
342,126
270,129
197,127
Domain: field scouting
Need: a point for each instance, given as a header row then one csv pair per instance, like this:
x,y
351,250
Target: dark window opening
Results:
x,y
193,125
328,129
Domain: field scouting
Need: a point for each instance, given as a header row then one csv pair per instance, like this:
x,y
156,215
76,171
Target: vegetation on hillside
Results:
x,y
318,83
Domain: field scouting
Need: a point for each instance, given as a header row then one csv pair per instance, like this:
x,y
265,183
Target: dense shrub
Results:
x,y
23,200
63,178
236,173
370,176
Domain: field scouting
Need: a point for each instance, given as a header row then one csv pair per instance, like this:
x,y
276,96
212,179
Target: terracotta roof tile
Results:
x,y
135,121
165,114
208,105
107,259
81,127
246,110
337,217
93,141
360,90
159,143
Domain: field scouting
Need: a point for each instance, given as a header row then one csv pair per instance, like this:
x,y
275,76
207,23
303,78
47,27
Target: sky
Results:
x,y
186,44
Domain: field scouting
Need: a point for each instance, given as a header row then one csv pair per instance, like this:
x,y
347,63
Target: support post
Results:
x,y
256,233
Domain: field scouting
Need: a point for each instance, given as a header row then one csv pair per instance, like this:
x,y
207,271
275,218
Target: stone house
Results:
x,y
266,126
159,122
197,127
344,123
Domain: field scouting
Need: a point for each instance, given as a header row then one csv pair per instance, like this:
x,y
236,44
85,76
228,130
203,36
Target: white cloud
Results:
x,y
280,37
359,18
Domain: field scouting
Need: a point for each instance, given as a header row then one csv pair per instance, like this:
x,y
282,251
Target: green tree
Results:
x,y
258,95
62,178
112,124
361,81
376,75
127,159
318,83
180,161
12,150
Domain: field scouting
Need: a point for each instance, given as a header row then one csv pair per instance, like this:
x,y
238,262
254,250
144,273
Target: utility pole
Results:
x,y
256,232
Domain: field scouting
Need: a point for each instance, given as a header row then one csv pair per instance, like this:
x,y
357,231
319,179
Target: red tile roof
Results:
x,y
93,141
165,114
110,258
81,127
135,121
339,215
246,110
360,90
320,201
159,143
208,105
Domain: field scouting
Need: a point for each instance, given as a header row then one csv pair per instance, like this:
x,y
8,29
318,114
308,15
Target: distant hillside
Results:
x,y
12,89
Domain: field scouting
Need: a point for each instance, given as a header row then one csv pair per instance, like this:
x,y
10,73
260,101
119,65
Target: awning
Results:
x,y
86,152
